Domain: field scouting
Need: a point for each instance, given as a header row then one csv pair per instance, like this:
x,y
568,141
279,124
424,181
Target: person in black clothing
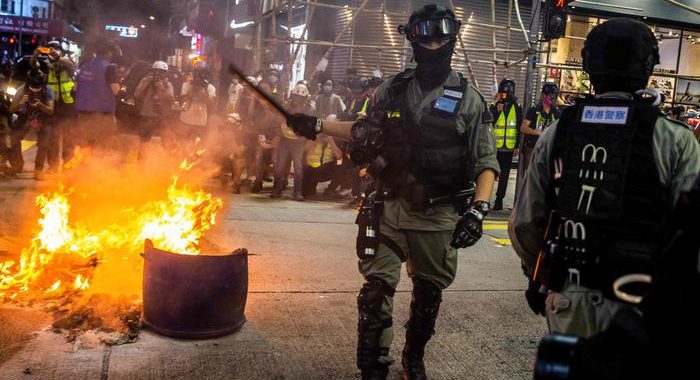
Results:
x,y
537,119
507,116
33,104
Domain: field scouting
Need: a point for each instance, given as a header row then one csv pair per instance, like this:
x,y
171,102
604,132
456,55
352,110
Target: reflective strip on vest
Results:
x,y
506,129
67,85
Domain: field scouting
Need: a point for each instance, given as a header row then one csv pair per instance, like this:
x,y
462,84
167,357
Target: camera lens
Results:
x,y
555,356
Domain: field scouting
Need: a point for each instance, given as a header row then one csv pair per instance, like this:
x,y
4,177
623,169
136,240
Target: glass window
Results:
x,y
690,54
568,49
669,43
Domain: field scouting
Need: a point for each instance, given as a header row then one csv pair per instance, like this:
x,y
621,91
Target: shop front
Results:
x,y
677,76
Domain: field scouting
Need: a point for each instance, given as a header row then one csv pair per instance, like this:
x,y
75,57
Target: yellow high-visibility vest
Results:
x,y
319,155
67,85
542,121
506,129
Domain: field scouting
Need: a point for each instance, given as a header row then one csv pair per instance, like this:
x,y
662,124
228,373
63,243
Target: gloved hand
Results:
x,y
468,230
304,125
535,297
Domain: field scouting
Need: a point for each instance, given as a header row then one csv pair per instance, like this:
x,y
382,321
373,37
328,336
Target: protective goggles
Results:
x,y
427,30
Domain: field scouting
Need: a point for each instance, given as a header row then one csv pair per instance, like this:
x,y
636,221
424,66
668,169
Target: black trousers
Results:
x,y
505,160
312,176
43,135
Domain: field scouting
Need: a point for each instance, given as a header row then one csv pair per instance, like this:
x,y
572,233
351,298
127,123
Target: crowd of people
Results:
x,y
265,149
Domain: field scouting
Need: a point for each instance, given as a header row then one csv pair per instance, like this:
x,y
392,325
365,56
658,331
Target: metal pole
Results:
x,y
362,46
21,14
353,17
464,52
494,73
510,12
530,74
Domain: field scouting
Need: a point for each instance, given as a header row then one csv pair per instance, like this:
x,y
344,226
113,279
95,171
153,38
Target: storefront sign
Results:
x,y
30,25
124,31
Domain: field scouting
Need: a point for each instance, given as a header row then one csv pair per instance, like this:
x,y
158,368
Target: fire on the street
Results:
x,y
67,257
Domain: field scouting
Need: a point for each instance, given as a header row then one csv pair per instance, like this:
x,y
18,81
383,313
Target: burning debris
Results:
x,y
86,270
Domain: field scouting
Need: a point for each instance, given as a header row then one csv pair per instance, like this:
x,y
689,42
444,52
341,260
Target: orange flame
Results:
x,y
176,223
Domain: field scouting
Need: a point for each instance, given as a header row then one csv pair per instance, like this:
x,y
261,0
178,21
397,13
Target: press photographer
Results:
x,y
155,96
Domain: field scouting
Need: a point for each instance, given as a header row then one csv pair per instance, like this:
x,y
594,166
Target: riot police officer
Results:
x,y
600,184
427,136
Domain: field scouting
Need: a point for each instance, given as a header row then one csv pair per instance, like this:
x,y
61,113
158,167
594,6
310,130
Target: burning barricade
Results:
x,y
84,263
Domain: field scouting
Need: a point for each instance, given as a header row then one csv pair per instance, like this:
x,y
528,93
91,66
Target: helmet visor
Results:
x,y
433,29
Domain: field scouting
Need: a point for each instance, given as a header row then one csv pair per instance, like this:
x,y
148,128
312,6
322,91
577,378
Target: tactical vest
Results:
x,y
506,128
428,152
61,86
608,202
94,93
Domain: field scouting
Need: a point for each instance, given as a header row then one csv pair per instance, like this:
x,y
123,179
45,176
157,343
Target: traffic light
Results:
x,y
555,14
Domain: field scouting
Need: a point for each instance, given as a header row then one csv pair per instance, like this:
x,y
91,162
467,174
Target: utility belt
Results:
x,y
595,266
423,198
369,235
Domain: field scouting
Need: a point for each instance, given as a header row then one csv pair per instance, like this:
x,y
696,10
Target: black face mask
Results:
x,y
433,65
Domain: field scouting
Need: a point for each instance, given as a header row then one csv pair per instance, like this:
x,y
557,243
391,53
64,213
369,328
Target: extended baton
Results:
x,y
233,69
461,194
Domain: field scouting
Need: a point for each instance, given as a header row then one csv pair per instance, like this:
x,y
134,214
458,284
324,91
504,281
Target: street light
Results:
x,y
151,17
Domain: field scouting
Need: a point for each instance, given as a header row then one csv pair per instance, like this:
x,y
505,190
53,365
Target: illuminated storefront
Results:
x,y
678,74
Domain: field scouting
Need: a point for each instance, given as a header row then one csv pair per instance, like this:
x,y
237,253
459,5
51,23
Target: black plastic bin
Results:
x,y
188,296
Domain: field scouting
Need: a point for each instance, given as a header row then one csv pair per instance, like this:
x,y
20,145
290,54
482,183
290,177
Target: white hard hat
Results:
x,y
300,89
160,65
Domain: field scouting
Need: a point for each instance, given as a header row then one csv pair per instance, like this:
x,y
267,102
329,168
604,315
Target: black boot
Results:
x,y
498,204
257,187
370,327
420,328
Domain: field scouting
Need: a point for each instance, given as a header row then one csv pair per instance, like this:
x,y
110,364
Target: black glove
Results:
x,y
535,298
304,125
468,229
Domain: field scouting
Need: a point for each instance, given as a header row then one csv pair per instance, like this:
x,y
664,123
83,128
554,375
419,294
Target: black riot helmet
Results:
x,y
550,88
506,89
432,22
619,55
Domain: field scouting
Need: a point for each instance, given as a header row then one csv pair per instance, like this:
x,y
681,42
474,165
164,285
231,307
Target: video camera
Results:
x,y
657,340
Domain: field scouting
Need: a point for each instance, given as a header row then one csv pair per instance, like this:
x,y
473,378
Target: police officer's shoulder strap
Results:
x,y
675,122
486,116
397,87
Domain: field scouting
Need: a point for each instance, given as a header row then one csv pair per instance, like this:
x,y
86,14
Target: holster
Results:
x,y
368,226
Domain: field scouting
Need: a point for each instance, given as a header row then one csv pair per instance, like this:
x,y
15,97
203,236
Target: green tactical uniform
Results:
x,y
578,309
424,237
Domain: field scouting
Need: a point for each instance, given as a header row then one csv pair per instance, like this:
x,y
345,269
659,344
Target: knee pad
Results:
x,y
425,305
371,296
426,293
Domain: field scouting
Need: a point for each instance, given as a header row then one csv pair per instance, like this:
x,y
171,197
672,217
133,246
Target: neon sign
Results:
x,y
124,31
